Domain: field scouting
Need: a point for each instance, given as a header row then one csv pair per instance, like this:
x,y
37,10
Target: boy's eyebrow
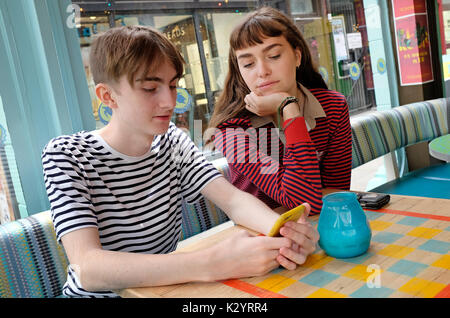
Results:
x,y
154,79
268,48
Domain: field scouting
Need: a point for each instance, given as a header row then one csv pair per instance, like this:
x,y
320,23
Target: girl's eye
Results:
x,y
274,57
248,65
149,90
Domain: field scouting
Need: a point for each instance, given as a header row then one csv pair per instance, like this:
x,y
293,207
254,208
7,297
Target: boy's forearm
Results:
x,y
110,270
242,207
247,210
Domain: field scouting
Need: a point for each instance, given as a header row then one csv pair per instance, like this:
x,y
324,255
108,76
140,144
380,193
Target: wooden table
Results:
x,y
408,257
440,148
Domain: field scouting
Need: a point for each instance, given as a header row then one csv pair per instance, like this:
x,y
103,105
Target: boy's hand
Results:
x,y
304,237
245,255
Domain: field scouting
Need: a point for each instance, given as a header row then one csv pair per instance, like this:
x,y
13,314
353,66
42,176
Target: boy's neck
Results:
x,y
133,145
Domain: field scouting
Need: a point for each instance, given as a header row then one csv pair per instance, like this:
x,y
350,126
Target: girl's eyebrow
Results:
x,y
268,48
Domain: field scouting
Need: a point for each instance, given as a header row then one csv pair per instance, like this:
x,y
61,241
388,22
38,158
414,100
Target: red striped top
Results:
x,y
288,176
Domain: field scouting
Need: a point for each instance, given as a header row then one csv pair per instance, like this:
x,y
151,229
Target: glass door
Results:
x,y
9,176
178,28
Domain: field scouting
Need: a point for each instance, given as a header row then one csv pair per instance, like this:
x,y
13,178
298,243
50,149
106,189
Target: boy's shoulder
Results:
x,y
77,140
175,135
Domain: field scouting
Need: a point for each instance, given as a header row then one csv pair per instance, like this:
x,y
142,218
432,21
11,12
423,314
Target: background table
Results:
x,y
408,257
440,148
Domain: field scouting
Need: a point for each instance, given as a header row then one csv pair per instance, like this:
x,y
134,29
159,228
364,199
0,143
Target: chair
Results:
x,y
382,132
32,263
204,214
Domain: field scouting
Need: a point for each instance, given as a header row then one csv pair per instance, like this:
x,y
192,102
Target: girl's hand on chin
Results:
x,y
264,105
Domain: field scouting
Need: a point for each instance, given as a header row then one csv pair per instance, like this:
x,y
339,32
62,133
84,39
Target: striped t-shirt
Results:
x,y
135,202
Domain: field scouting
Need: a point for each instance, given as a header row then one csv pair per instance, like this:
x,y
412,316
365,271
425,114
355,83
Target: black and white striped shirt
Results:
x,y
135,202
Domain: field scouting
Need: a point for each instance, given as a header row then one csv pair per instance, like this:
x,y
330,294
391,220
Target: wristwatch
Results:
x,y
288,100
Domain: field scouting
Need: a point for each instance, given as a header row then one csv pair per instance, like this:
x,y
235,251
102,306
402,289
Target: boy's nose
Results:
x,y
168,100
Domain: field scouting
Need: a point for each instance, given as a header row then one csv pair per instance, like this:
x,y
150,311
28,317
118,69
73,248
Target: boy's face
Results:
x,y
146,108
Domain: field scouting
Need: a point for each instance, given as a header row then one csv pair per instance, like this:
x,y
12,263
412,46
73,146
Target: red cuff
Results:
x,y
296,130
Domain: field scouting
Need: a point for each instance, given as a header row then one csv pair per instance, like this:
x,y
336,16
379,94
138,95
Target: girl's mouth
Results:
x,y
267,85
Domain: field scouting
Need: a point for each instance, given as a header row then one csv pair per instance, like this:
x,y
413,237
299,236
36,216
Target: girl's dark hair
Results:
x,y
257,26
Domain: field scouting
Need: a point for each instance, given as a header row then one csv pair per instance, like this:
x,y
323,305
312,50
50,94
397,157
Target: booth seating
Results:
x,y
381,132
204,214
32,264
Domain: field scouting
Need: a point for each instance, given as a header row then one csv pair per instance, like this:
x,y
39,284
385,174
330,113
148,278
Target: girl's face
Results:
x,y
270,67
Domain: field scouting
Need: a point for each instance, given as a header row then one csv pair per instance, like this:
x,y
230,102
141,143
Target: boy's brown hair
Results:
x,y
124,50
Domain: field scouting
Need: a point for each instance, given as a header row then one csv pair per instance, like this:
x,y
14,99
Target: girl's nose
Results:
x,y
263,69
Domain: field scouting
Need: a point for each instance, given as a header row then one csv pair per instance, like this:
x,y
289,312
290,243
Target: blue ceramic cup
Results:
x,y
343,226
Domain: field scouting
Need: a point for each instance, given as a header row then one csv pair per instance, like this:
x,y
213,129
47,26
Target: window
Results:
x,y
199,30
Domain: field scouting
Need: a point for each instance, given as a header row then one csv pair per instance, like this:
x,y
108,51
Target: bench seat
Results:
x,y
383,132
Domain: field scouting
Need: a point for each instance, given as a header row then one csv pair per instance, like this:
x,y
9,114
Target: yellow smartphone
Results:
x,y
291,215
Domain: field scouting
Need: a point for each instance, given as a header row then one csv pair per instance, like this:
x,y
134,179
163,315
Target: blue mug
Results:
x,y
343,226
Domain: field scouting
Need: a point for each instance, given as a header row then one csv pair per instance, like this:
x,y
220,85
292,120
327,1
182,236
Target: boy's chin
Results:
x,y
161,129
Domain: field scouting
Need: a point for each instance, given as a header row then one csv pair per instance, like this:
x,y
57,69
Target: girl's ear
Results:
x,y
105,93
298,56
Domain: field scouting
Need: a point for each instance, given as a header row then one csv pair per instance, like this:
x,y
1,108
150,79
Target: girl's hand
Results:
x,y
266,105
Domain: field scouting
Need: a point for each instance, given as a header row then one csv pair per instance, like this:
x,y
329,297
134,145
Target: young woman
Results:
x,y
272,83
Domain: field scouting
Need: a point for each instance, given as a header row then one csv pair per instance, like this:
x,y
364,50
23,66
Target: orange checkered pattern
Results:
x,y
408,257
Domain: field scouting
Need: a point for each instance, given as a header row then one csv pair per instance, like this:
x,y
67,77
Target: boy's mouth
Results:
x,y
163,117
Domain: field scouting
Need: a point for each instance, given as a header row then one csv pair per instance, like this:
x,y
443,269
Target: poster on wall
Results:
x,y
339,38
413,42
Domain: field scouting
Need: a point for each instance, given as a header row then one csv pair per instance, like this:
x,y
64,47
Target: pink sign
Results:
x,y
413,42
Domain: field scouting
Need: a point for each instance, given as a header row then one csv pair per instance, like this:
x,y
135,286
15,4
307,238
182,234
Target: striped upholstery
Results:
x,y
381,132
203,215
32,264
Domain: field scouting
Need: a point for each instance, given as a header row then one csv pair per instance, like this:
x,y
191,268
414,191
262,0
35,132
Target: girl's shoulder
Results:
x,y
240,121
326,94
333,103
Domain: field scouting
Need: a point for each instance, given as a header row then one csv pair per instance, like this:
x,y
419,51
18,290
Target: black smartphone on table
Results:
x,y
372,200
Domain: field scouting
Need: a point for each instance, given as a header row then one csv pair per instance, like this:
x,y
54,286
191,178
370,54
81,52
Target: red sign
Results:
x,y
408,7
413,42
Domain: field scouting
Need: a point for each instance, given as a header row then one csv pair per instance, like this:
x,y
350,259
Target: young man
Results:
x,y
115,193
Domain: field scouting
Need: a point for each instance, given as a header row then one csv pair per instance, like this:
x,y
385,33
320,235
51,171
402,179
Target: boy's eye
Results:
x,y
274,57
149,89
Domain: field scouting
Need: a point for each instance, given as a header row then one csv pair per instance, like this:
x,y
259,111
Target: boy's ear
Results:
x,y
105,93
